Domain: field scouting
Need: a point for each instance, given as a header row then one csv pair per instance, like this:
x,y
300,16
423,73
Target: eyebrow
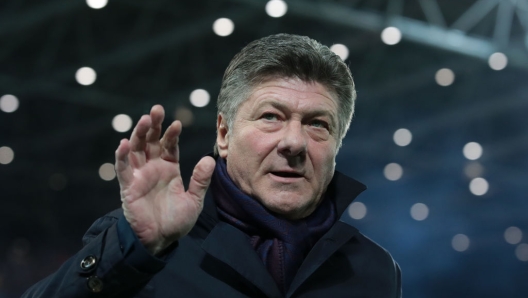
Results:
x,y
315,113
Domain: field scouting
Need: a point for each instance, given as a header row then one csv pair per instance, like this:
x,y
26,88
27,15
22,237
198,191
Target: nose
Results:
x,y
294,140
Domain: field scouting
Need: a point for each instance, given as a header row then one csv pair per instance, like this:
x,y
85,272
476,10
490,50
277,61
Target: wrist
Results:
x,y
161,248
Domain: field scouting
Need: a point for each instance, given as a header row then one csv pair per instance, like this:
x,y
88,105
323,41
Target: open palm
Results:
x,y
154,199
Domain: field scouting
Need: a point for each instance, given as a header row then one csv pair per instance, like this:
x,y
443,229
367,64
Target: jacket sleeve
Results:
x,y
112,263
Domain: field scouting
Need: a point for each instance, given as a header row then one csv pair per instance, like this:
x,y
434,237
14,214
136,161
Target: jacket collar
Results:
x,y
343,190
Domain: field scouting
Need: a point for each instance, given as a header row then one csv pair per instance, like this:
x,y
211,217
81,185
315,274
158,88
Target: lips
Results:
x,y
286,174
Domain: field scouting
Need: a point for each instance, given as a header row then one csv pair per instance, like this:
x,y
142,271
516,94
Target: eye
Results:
x,y
270,116
319,124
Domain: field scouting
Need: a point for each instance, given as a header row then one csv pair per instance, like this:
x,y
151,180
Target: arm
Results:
x,y
121,249
101,268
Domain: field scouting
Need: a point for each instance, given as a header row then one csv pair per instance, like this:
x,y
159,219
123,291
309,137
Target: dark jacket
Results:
x,y
216,260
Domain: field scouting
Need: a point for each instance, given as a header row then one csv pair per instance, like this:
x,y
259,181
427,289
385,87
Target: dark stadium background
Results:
x,y
453,244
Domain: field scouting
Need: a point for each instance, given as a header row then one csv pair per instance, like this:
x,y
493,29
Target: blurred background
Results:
x,y
440,133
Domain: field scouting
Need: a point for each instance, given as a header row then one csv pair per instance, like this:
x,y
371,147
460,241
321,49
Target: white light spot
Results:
x,y
445,77
472,151
419,211
498,61
6,155
223,27
199,98
107,172
402,137
393,171
391,35
478,186
185,116
96,4
276,8
513,235
357,210
8,103
460,242
122,123
340,50
85,76
522,252
473,170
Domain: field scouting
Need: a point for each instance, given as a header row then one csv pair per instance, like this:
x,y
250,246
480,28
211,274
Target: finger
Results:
x,y
139,135
169,142
157,114
122,167
201,178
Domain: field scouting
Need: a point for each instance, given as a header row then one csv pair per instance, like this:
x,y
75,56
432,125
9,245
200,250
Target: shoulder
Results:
x,y
373,257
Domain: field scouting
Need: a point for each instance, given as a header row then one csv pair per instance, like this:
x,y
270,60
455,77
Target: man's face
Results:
x,y
282,146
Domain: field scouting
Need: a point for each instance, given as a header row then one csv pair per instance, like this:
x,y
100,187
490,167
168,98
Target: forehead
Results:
x,y
293,92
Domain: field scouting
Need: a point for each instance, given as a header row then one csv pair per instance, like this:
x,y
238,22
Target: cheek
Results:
x,y
254,143
323,159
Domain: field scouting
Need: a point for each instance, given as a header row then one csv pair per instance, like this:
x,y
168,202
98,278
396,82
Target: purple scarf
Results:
x,y
280,243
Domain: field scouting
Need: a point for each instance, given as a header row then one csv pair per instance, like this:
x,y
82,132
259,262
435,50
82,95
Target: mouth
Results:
x,y
287,174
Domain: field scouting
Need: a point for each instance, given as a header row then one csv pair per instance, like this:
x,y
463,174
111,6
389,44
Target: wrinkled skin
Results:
x,y
155,202
281,149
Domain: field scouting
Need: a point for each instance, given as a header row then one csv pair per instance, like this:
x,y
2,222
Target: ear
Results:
x,y
222,136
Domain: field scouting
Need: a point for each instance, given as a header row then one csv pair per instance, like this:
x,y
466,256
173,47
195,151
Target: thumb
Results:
x,y
201,177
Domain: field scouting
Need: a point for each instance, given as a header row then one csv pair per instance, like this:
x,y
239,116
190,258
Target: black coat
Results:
x,y
216,260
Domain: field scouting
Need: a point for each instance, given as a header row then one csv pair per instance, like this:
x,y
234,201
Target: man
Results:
x,y
260,217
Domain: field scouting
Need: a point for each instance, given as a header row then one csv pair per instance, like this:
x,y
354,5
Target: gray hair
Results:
x,y
287,56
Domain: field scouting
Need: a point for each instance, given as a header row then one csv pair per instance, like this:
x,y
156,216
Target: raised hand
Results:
x,y
155,202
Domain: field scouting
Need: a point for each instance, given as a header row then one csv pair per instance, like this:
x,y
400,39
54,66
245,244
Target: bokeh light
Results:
x,y
473,169
122,123
185,115
444,77
96,4
522,252
402,137
107,172
6,155
276,8
393,171
391,35
498,61
340,50
472,151
357,210
8,103
19,248
419,211
513,235
479,186
199,98
460,242
223,27
85,76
